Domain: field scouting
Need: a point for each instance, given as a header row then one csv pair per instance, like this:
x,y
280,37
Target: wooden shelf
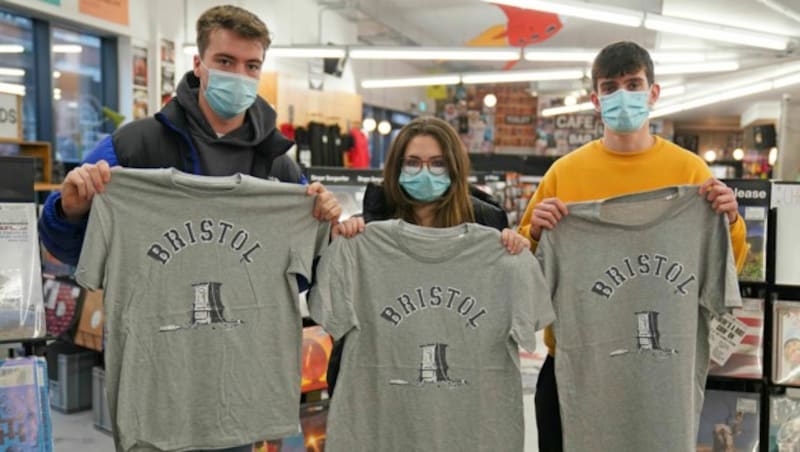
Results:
x,y
37,149
41,186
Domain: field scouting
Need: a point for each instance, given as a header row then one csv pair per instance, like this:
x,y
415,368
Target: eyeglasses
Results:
x,y
436,165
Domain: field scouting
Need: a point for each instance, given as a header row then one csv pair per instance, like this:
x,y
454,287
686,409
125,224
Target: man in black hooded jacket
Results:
x,y
216,125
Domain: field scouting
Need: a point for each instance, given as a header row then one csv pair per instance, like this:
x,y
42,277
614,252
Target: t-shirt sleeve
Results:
x,y
532,307
330,302
720,286
90,271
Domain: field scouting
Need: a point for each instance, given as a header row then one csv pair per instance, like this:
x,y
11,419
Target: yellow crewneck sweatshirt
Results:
x,y
595,172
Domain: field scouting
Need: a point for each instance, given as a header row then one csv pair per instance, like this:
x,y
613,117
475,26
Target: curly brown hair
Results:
x,y
455,206
239,20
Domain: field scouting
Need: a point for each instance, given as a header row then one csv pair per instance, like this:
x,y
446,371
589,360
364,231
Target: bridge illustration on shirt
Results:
x,y
648,336
433,368
207,309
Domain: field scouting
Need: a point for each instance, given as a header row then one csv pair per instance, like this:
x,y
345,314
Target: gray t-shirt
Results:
x,y
634,280
433,319
201,301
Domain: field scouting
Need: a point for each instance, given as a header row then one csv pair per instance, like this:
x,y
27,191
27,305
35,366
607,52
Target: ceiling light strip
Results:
x,y
434,53
715,32
594,12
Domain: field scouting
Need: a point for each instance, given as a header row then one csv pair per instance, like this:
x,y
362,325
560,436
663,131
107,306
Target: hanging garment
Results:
x,y
201,305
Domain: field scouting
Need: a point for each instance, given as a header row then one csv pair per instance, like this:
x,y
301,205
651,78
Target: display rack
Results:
x,y
767,386
41,151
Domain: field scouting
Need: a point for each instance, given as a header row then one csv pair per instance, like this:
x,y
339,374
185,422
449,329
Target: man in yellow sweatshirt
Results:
x,y
626,159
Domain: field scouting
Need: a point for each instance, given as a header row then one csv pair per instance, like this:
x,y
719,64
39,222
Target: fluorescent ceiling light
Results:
x,y
446,79
743,91
521,76
713,99
11,48
715,32
588,55
672,91
600,13
553,111
434,53
573,55
67,48
792,14
12,71
696,68
789,80
12,88
306,52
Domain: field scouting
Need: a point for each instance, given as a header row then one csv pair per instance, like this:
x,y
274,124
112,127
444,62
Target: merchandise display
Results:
x,y
428,349
62,305
90,326
729,422
24,406
784,424
637,275
787,248
221,257
741,355
786,343
754,203
21,299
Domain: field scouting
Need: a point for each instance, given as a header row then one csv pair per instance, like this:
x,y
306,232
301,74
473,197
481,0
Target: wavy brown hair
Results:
x,y
455,206
238,20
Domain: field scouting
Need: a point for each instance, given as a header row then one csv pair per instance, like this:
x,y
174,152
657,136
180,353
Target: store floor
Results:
x,y
76,432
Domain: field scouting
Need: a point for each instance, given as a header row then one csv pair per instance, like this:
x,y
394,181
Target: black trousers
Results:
x,y
548,414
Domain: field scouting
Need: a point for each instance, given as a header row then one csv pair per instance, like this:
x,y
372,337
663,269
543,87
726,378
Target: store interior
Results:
x,y
513,77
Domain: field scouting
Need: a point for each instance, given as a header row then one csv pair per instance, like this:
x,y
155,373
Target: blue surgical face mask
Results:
x,y
230,94
625,111
424,186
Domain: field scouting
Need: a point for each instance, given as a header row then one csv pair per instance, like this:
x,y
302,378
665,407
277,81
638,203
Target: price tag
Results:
x,y
727,332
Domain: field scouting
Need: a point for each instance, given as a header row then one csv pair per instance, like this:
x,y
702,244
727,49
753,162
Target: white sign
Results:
x,y
10,116
784,195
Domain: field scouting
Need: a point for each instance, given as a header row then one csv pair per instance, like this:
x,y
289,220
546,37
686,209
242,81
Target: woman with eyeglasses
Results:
x,y
425,183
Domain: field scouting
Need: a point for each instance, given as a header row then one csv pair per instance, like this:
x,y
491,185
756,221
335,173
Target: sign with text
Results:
x,y
116,11
10,116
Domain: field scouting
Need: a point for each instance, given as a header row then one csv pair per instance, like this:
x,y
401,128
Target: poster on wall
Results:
x,y
515,118
139,82
559,134
116,11
167,70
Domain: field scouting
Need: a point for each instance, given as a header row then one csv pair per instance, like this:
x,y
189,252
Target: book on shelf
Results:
x,y
784,422
753,197
729,422
786,343
741,357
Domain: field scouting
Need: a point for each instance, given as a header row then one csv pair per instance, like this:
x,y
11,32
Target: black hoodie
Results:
x,y
179,136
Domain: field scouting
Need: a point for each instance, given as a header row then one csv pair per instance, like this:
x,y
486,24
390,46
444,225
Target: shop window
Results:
x,y
77,93
17,66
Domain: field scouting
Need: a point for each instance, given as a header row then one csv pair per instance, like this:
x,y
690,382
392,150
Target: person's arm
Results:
x,y
739,242
723,201
61,236
544,210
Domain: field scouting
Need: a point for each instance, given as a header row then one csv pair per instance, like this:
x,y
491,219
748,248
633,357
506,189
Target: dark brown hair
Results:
x,y
238,20
455,205
622,58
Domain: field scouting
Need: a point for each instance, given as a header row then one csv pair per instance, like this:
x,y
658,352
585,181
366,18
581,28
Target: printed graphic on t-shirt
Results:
x,y
648,337
433,368
207,309
451,298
